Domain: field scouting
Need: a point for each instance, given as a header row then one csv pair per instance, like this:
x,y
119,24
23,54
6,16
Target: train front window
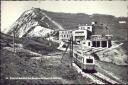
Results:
x,y
89,60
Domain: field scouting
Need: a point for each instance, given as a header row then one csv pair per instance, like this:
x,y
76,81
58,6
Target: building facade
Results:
x,y
82,34
65,35
79,35
101,41
86,27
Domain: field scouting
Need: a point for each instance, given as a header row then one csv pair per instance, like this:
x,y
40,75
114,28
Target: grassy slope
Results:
x,y
69,20
15,66
39,45
21,66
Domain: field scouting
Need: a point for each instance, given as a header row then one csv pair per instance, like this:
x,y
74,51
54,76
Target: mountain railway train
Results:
x,y
84,60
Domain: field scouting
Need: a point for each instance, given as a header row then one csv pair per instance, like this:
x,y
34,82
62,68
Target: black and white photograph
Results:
x,y
64,42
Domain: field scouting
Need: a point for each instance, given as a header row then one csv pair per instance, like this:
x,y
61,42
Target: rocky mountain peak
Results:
x,y
29,21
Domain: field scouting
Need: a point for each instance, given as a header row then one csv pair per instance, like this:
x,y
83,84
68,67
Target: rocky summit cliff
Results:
x,y
35,23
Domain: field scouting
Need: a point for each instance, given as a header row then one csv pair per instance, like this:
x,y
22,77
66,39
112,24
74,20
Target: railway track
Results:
x,y
112,76
97,78
104,81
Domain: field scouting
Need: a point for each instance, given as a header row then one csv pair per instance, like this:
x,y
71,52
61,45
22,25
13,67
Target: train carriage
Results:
x,y
85,61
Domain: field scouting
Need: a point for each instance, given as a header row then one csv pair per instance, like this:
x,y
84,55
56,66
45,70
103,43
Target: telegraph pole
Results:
x,y
127,34
14,33
127,23
71,49
14,42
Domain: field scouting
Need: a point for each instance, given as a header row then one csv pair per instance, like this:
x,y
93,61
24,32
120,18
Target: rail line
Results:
x,y
105,81
97,78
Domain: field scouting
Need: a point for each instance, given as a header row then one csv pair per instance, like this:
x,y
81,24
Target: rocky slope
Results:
x,y
32,23
118,56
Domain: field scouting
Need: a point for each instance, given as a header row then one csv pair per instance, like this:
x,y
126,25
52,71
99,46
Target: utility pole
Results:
x,y
127,34
14,33
127,23
71,50
14,42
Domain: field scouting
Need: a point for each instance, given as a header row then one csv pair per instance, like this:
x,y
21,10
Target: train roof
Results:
x,y
81,51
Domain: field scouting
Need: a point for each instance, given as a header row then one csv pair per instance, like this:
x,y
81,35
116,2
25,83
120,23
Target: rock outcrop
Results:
x,y
33,22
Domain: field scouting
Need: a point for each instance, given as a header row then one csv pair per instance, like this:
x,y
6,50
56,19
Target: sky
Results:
x,y
12,10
